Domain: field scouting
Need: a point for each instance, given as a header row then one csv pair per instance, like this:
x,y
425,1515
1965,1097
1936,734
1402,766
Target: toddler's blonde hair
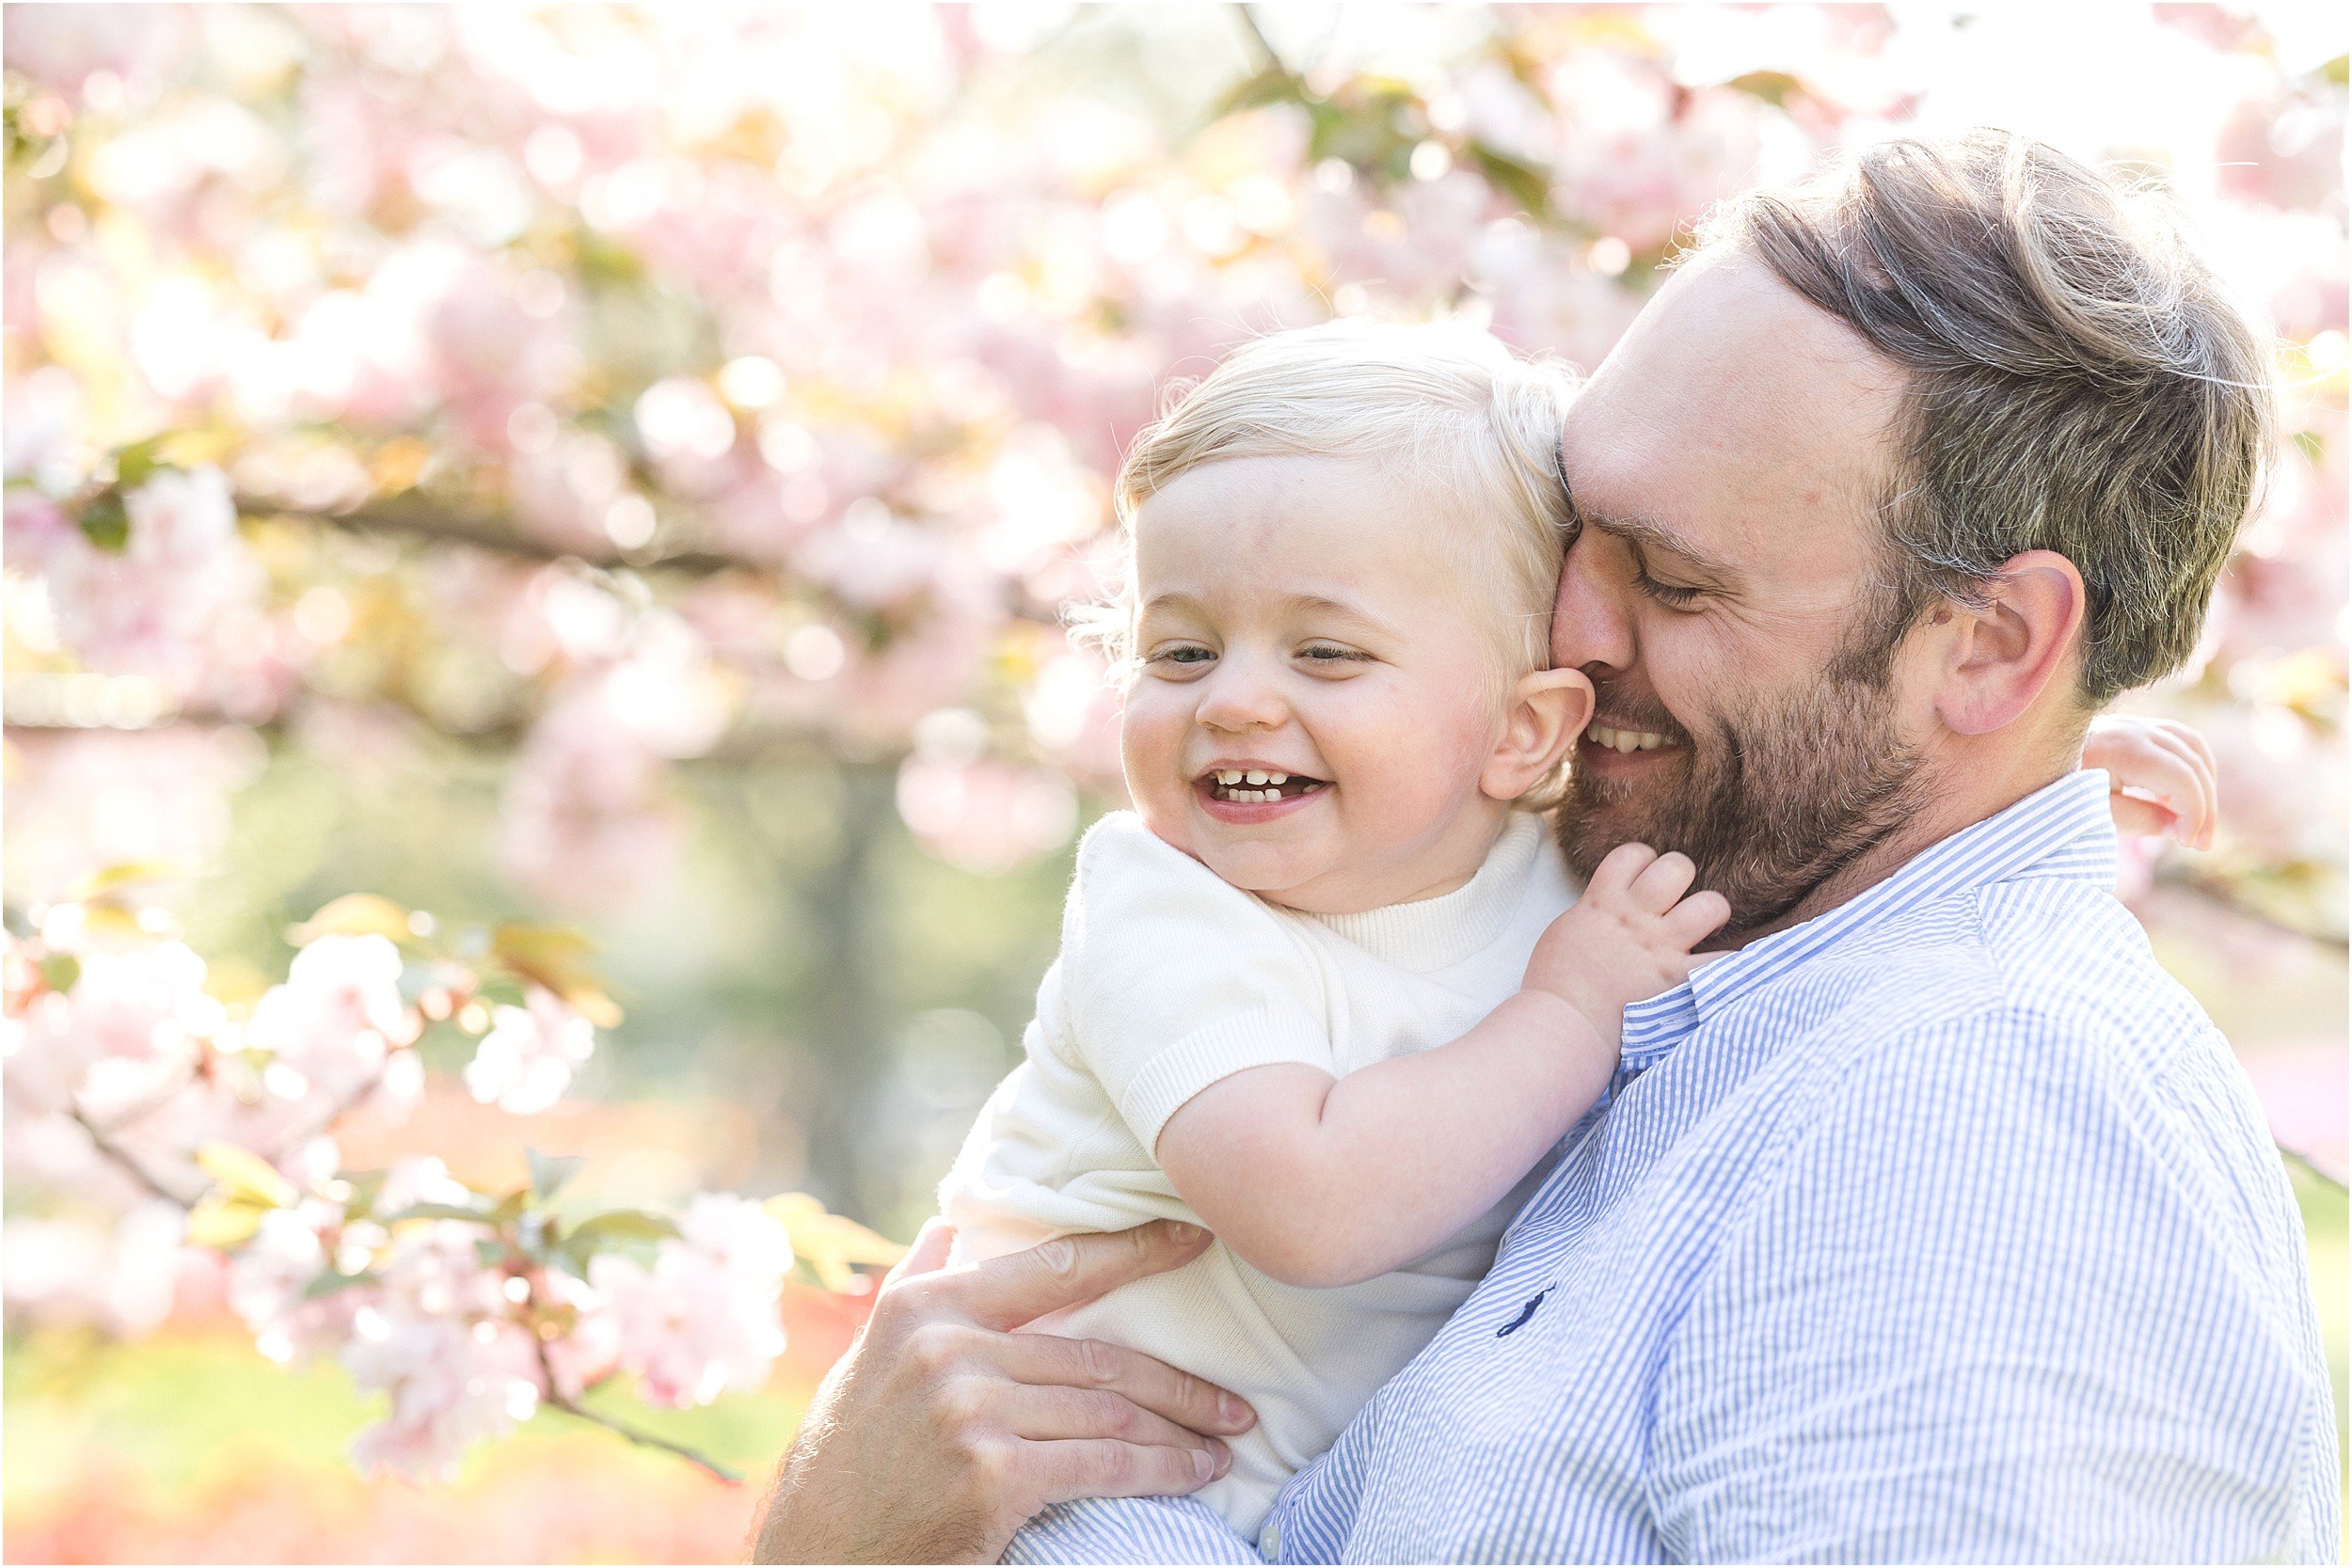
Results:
x,y
1446,406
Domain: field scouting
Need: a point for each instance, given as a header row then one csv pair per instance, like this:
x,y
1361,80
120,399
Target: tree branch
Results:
x,y
1270,59
554,1401
411,516
125,1161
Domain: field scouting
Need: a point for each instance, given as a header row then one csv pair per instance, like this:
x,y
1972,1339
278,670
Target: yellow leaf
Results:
x,y
555,956
244,1175
222,1220
830,1243
354,914
113,878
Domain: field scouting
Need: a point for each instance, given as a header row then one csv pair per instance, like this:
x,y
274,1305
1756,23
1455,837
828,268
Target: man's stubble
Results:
x,y
1768,809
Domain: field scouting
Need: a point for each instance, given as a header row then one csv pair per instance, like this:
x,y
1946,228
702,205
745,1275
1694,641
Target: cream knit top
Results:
x,y
1168,981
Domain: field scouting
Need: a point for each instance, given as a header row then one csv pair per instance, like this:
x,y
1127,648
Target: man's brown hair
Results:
x,y
2079,381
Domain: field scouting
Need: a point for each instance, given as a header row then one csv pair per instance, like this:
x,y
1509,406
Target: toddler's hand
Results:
x,y
2169,768
1629,937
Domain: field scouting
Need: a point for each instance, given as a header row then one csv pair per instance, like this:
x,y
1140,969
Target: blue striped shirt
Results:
x,y
1941,1226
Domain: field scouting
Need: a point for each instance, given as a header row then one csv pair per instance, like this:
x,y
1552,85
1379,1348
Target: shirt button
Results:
x,y
1270,1542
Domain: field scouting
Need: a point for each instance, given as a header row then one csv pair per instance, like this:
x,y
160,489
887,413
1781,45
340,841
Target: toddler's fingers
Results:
x,y
2138,818
2191,736
1698,917
2196,830
1665,880
1617,869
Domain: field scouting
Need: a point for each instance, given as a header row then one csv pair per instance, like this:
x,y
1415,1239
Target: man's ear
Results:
x,y
1548,709
2000,656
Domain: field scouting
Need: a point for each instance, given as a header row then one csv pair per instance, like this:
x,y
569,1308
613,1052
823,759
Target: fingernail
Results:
x,y
1224,1457
1233,1410
1182,1234
1203,1467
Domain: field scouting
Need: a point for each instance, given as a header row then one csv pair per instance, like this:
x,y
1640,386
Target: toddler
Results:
x,y
1326,992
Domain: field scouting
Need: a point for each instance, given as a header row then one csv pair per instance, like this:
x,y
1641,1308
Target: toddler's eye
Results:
x,y
1670,595
1182,652
1326,653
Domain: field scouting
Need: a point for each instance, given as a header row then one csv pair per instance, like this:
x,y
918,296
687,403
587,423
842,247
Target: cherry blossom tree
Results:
x,y
616,391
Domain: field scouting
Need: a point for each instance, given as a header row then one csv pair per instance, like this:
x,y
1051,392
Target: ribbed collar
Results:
x,y
1437,933
2062,829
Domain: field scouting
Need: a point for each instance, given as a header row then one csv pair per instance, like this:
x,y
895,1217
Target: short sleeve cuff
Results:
x,y
1261,1037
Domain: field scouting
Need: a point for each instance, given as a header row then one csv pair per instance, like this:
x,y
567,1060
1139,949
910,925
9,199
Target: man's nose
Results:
x,y
1240,695
1590,620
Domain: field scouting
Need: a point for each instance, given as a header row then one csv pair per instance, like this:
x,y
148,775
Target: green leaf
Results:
x,y
106,523
136,464
330,1282
617,1229
1522,182
549,1172
621,1225
366,1187
439,1211
1271,84
58,971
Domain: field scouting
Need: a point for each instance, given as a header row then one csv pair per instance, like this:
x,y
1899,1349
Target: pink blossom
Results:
x,y
985,817
339,1015
120,1278
128,1033
81,799
452,1384
150,610
526,1061
586,822
703,1319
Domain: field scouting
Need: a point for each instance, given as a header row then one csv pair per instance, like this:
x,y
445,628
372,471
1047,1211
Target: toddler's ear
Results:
x,y
1548,709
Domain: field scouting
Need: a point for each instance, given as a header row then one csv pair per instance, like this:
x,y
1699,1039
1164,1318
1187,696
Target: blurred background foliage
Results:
x,y
654,449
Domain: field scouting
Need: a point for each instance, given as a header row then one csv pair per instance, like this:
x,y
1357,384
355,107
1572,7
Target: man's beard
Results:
x,y
1768,809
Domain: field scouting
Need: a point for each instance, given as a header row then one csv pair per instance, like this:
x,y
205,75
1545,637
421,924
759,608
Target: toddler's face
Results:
x,y
1317,695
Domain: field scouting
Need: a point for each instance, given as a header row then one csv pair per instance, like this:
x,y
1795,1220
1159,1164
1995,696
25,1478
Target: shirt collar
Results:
x,y
2062,829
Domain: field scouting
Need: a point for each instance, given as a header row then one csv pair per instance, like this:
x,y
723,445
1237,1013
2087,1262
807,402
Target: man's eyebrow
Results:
x,y
1654,536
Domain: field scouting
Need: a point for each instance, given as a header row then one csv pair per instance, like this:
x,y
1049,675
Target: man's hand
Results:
x,y
942,1432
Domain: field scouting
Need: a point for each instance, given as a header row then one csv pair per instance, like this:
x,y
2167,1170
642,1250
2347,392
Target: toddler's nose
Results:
x,y
1235,700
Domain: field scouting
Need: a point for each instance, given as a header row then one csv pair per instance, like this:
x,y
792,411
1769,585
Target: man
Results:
x,y
1934,1221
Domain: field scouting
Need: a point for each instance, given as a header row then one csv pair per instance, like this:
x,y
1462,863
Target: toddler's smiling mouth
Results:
x,y
1248,786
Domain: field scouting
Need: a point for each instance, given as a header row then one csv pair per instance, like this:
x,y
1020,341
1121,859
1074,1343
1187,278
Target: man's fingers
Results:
x,y
1178,1396
1096,1468
1021,1287
1043,1414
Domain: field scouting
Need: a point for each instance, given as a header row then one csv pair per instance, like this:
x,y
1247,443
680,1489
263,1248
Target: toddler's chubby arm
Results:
x,y
2162,774
1322,1181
